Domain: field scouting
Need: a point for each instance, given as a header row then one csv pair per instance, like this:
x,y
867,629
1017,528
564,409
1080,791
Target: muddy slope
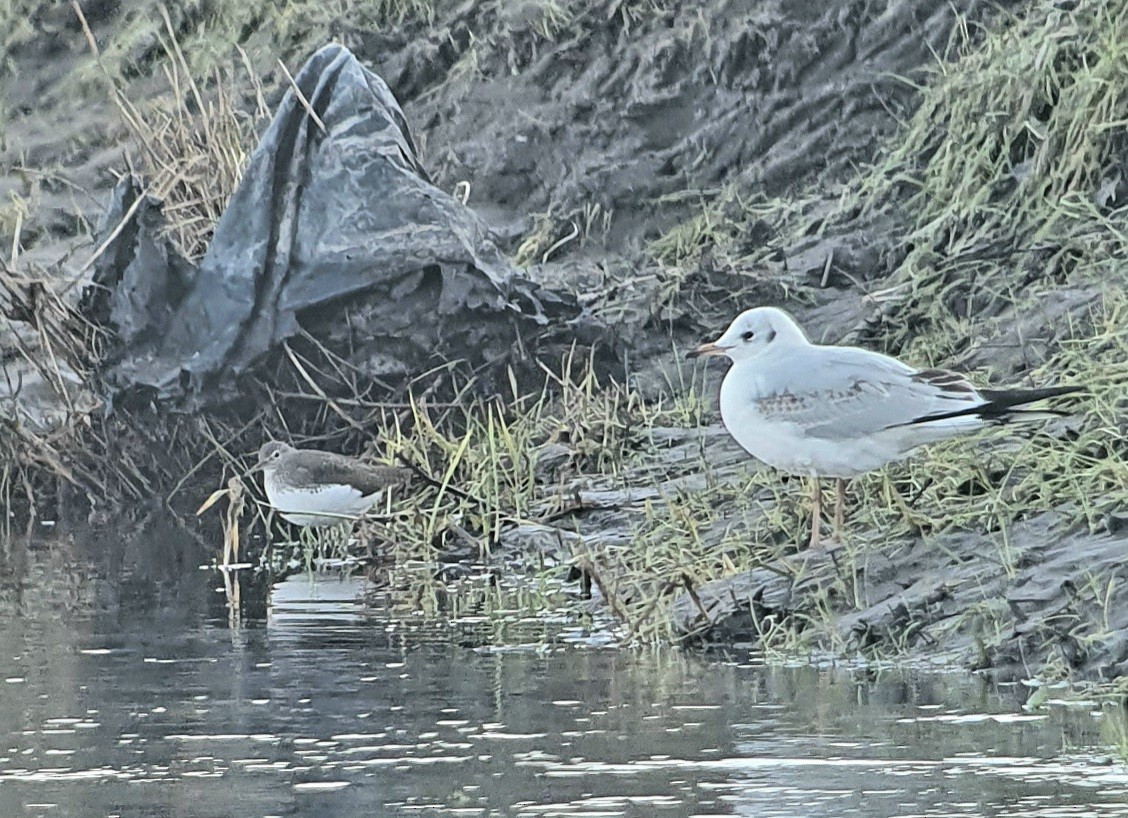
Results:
x,y
617,107
583,135
637,111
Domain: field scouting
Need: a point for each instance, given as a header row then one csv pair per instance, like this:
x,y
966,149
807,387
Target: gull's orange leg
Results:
x,y
839,505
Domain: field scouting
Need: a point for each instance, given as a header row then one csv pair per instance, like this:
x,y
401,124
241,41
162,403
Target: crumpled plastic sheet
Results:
x,y
322,224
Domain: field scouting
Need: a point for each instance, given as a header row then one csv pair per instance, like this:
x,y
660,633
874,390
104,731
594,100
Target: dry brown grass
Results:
x,y
193,140
59,349
191,146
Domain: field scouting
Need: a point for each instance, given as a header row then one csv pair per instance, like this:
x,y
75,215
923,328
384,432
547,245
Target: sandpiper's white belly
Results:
x,y
322,506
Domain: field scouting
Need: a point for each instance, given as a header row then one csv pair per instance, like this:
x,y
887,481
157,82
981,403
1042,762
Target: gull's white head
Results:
x,y
753,333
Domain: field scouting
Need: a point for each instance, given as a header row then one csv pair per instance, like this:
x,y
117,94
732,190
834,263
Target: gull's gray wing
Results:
x,y
840,393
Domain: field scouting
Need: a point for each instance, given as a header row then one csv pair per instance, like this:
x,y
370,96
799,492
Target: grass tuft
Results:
x,y
193,141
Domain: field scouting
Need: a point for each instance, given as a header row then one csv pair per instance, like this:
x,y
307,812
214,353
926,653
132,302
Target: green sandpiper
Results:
x,y
314,488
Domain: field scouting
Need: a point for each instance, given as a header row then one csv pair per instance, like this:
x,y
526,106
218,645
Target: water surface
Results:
x,y
137,699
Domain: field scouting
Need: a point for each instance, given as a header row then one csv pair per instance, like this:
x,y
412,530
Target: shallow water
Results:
x,y
141,701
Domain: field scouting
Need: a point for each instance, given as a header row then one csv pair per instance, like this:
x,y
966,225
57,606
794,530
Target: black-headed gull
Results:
x,y
838,411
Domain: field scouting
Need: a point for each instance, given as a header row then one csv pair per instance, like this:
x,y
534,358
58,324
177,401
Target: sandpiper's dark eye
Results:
x,y
747,335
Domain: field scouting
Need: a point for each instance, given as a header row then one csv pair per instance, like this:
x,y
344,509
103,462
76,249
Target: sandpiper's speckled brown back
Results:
x,y
300,468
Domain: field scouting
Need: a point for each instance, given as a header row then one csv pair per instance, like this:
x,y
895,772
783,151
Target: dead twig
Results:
x,y
302,98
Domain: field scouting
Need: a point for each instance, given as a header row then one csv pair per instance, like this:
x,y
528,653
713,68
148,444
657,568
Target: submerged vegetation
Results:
x,y
1001,203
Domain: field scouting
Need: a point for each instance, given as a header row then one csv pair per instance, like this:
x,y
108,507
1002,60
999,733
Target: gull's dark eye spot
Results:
x,y
771,335
747,335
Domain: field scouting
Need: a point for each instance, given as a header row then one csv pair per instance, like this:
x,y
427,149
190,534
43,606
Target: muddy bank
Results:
x,y
658,169
640,113
1049,605
628,120
1041,598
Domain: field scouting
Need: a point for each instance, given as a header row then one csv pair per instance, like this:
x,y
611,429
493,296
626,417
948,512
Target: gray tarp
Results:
x,y
322,224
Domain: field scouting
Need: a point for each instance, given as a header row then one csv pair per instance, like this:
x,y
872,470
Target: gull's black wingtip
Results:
x,y
1003,405
1000,400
